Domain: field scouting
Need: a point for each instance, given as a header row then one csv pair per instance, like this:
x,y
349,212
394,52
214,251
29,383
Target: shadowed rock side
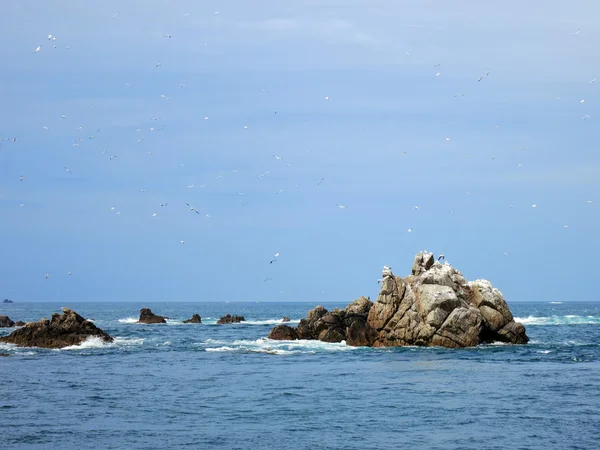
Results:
x,y
435,306
5,322
338,325
195,319
147,316
62,330
230,319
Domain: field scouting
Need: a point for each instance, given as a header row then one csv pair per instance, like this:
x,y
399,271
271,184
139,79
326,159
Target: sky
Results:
x,y
320,130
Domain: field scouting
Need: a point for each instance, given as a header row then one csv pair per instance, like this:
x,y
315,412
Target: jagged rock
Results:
x,y
4,354
230,319
63,330
147,316
195,319
5,322
285,319
423,262
283,333
435,306
19,323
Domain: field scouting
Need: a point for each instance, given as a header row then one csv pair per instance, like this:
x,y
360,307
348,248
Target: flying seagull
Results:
x,y
441,257
272,261
192,208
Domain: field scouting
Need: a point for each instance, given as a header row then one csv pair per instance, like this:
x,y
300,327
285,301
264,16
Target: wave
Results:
x,y
268,322
213,321
270,346
97,342
129,320
559,320
556,303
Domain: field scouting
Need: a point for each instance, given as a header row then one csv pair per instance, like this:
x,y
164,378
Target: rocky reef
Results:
x,y
434,306
62,330
147,316
230,319
194,319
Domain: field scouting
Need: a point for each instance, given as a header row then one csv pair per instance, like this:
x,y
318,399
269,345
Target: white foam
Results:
x,y
265,345
544,352
126,342
209,321
129,320
559,320
268,322
556,303
91,342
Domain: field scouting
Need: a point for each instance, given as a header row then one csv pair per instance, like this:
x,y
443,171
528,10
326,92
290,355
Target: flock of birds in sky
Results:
x,y
52,43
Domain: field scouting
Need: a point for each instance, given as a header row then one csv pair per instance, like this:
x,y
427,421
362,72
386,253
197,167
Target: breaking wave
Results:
x,y
129,320
559,320
97,342
270,346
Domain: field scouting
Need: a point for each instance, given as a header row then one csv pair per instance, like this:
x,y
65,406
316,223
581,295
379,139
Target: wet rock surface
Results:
x,y
230,319
147,316
5,322
194,319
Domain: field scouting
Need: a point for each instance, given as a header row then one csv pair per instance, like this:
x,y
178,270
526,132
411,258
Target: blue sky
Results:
x,y
347,92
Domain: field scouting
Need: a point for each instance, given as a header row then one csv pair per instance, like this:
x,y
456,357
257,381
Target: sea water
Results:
x,y
179,385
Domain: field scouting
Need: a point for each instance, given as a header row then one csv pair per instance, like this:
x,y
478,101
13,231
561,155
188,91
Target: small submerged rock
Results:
x,y
63,330
285,319
195,319
5,322
147,316
434,306
230,319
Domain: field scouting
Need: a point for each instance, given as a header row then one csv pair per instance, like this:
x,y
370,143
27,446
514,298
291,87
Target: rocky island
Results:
x,y
194,319
62,330
5,322
230,319
434,306
147,316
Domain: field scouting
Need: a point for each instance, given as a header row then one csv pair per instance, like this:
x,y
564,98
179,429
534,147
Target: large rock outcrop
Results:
x,y
62,330
5,322
147,316
434,306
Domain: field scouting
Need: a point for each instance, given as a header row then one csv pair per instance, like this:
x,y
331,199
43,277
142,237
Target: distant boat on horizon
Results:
x,y
7,301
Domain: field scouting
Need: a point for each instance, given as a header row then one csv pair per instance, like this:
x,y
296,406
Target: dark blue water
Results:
x,y
208,386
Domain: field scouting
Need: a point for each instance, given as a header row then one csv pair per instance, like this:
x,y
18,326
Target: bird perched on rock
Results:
x,y
386,272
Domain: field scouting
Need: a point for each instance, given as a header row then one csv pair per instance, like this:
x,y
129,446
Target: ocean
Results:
x,y
202,386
